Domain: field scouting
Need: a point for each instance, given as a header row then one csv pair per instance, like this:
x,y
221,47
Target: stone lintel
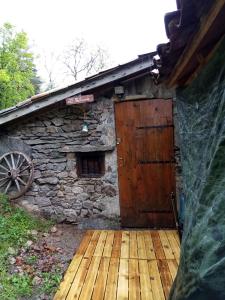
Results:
x,y
86,148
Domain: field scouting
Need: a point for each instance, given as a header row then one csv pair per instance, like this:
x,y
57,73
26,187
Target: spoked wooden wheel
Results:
x,y
16,174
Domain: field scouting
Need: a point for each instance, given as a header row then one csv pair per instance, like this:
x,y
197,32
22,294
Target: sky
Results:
x,y
125,28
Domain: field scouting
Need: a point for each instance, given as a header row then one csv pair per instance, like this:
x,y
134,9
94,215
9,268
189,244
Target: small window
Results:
x,y
90,164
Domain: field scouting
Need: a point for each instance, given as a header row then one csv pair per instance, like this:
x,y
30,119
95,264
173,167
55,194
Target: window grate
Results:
x,y
90,164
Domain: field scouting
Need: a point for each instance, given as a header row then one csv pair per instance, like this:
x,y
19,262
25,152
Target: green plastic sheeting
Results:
x,y
201,115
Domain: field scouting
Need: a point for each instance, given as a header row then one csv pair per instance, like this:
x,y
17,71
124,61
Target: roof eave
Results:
x,y
37,103
193,49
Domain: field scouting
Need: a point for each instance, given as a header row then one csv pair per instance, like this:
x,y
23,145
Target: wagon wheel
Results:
x,y
16,174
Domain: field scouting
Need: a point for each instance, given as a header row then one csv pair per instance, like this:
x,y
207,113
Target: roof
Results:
x,y
142,64
196,25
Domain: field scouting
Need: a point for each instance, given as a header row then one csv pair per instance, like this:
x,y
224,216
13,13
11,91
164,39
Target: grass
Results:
x,y
15,230
51,280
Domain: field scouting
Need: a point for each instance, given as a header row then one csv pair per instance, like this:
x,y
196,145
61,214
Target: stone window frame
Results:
x,y
90,164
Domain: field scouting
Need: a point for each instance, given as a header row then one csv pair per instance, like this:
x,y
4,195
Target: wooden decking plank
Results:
x,y
133,245
68,278
122,290
101,244
89,283
172,264
149,245
92,244
79,280
176,235
166,245
165,276
85,242
139,267
157,289
111,284
125,244
145,283
99,289
174,245
109,244
157,245
141,245
134,280
116,250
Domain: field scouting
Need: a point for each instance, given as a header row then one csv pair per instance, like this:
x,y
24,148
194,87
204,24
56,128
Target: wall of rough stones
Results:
x,y
54,136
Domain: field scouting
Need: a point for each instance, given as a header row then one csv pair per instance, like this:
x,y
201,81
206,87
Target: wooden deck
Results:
x,y
117,265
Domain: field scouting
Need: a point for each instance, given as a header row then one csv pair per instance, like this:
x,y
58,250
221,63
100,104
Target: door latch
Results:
x,y
118,140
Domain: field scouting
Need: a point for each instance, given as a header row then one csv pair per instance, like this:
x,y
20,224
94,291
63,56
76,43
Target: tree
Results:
x,y
36,82
17,69
51,66
79,60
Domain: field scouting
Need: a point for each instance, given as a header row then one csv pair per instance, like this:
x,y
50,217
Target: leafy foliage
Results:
x,y
15,224
17,70
16,286
51,281
36,81
15,227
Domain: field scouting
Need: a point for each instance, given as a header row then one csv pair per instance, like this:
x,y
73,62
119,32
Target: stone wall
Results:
x,y
54,136
146,87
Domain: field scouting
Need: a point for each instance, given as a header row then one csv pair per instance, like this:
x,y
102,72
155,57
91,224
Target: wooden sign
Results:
x,y
80,99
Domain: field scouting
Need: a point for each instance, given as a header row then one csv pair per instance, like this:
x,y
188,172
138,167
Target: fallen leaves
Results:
x,y
37,258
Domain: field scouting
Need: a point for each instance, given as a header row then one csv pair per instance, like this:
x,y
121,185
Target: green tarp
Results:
x,y
201,115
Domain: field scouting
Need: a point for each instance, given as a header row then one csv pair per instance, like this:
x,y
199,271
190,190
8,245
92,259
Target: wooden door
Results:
x,y
145,151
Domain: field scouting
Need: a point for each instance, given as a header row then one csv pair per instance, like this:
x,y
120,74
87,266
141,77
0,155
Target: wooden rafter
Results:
x,y
192,48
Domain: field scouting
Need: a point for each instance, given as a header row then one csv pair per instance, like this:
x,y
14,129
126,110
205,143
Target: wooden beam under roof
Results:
x,y
208,23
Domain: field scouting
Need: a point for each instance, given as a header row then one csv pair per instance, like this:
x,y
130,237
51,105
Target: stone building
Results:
x,y
72,145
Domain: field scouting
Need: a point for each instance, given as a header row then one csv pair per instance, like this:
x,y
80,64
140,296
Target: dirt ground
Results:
x,y
52,251
68,238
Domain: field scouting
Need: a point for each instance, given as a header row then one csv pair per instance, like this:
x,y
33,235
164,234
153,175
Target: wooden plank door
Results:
x,y
145,153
